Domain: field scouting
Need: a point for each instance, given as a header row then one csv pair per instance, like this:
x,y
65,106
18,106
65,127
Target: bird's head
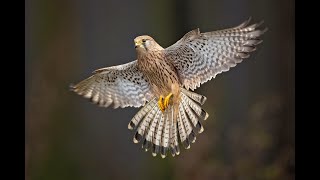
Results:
x,y
145,44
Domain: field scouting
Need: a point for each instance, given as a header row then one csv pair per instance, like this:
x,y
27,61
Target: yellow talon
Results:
x,y
167,100
160,103
164,103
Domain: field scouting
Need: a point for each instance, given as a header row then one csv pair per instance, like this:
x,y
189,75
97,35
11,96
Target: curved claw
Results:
x,y
160,104
163,103
167,100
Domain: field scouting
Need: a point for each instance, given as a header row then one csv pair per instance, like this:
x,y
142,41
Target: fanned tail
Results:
x,y
162,131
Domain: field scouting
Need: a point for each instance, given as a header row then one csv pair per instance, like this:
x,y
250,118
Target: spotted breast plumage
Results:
x,y
162,80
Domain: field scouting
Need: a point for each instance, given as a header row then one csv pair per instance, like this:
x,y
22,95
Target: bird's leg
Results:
x,y
167,100
163,103
160,103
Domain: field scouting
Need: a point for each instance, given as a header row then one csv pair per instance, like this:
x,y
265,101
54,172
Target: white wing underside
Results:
x,y
122,86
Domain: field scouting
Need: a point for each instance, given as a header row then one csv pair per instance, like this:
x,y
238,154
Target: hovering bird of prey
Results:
x,y
162,80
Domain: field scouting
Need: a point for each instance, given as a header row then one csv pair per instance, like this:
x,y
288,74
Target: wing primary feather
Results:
x,y
199,57
122,85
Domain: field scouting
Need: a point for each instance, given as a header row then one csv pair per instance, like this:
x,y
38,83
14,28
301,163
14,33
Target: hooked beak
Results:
x,y
137,44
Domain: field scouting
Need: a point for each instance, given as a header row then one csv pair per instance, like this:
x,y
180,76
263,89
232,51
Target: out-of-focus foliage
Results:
x,y
250,131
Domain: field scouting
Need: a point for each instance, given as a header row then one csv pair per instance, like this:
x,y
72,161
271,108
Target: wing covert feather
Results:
x,y
199,57
123,85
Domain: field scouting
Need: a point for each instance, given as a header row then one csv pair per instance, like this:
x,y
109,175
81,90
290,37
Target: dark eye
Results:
x,y
144,40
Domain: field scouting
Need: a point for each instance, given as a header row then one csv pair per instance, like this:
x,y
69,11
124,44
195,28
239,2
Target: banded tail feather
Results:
x,y
161,132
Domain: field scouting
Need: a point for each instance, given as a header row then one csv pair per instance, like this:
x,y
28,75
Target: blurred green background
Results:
x,y
250,131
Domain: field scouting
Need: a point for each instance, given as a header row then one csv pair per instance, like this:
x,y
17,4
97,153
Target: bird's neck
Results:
x,y
149,54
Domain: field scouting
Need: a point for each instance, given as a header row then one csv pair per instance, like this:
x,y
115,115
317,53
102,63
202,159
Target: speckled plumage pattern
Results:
x,y
122,85
199,57
159,72
193,60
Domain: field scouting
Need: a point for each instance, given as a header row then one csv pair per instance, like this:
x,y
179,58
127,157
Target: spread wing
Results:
x,y
123,85
199,57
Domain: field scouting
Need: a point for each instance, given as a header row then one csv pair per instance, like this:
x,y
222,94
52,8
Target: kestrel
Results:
x,y
160,80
